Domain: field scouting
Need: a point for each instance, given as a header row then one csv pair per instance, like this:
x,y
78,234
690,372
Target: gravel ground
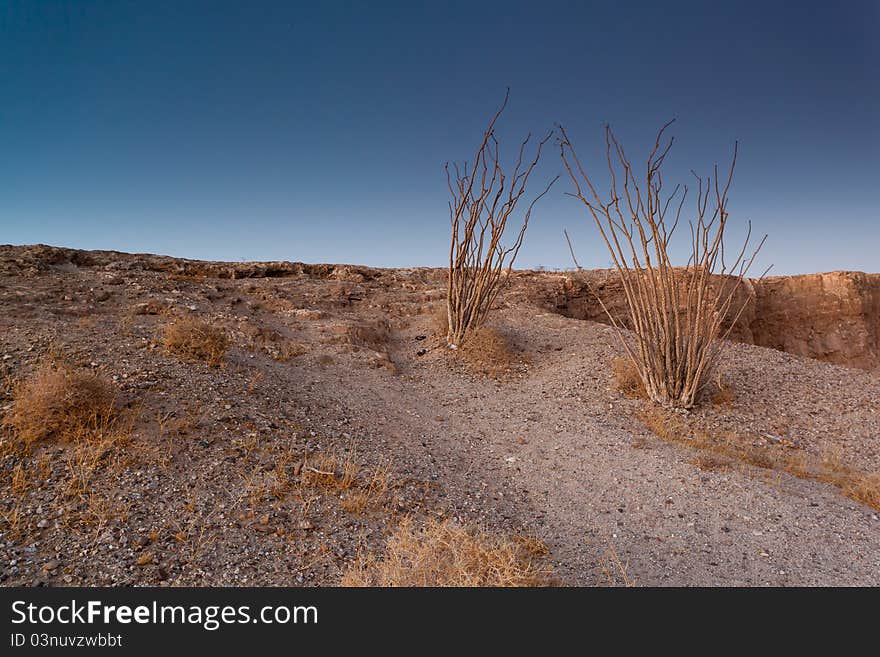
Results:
x,y
343,361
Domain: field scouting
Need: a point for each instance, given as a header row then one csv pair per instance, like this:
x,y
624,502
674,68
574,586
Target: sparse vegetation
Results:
x,y
627,378
719,451
490,352
196,340
615,570
442,553
327,472
57,402
483,199
678,315
248,474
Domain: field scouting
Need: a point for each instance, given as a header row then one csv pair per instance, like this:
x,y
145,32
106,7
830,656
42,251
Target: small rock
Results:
x,y
49,566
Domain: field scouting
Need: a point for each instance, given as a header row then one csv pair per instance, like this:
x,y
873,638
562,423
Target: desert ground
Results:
x,y
335,413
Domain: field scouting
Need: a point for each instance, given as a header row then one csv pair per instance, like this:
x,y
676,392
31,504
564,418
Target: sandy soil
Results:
x,y
343,361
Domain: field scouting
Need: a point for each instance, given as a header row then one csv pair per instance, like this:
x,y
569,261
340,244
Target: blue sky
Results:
x,y
318,132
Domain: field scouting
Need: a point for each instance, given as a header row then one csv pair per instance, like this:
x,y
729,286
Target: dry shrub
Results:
x,y
483,199
720,450
196,340
627,378
490,352
338,475
442,553
59,403
676,314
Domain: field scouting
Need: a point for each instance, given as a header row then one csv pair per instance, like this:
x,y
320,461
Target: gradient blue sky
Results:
x,y
318,131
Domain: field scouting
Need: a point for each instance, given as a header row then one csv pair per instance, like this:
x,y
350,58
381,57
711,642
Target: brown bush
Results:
x,y
59,403
489,351
196,340
627,378
446,554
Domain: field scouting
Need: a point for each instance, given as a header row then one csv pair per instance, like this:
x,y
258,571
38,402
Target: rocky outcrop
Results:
x,y
834,317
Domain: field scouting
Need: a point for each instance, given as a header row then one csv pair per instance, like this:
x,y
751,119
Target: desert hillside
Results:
x,y
278,423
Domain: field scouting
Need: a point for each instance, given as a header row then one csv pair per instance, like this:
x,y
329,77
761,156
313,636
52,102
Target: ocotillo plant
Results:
x,y
483,200
677,314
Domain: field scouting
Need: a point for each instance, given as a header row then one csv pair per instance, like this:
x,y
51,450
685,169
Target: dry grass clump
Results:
x,y
627,378
864,488
718,451
329,473
442,553
490,352
370,493
60,403
196,340
340,476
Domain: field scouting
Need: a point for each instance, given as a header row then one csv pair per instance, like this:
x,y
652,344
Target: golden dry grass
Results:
x,y
489,352
720,450
59,403
628,381
329,473
196,340
615,570
62,405
370,493
440,321
627,378
442,553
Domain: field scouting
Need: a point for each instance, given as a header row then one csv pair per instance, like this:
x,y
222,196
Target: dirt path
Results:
x,y
556,451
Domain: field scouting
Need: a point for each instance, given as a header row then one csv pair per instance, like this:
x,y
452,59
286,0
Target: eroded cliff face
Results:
x,y
834,317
